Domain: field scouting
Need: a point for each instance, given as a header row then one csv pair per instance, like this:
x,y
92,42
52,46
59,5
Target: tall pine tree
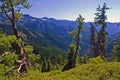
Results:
x,y
100,20
75,45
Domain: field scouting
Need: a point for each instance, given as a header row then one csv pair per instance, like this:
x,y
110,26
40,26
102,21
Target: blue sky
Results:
x,y
70,9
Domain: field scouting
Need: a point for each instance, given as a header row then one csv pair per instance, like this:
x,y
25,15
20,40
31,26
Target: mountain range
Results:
x,y
50,32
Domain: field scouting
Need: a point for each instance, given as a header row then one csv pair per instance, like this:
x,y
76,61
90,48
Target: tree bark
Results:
x,y
19,47
93,39
77,46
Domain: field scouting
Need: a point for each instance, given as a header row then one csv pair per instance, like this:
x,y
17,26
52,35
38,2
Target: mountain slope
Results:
x,y
49,32
103,71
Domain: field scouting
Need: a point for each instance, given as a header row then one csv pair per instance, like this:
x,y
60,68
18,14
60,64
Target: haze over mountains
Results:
x,y
49,32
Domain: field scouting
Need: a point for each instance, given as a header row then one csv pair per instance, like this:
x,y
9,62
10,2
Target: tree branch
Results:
x,y
5,12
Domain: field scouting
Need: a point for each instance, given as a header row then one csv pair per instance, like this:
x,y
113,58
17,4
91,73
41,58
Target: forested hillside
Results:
x,y
49,32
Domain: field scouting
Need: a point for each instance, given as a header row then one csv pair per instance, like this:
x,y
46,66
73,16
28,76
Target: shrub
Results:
x,y
96,60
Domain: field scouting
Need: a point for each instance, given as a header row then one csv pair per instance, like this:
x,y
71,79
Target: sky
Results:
x,y
70,9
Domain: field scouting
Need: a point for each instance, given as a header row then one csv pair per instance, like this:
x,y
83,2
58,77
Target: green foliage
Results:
x,y
103,71
6,42
3,72
6,64
46,65
96,60
72,49
100,15
82,59
44,59
18,4
100,21
18,15
80,20
79,28
116,51
71,57
7,54
28,49
11,9
33,59
74,34
49,65
8,59
53,53
118,37
75,45
59,59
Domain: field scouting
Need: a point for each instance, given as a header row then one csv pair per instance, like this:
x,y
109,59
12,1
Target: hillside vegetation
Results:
x,y
55,33
102,71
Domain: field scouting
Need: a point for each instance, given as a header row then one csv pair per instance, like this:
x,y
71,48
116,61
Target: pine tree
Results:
x,y
80,27
100,20
93,40
116,49
71,54
49,65
75,46
44,65
11,8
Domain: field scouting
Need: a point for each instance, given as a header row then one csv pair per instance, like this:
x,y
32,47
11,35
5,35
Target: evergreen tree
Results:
x,y
75,46
100,20
71,54
46,64
49,65
11,8
116,49
93,40
80,26
60,61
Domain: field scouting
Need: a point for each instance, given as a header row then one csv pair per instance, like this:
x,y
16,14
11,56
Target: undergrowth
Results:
x,y
90,71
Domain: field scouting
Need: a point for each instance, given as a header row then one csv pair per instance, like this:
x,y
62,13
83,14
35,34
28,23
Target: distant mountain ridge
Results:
x,y
49,32
110,30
